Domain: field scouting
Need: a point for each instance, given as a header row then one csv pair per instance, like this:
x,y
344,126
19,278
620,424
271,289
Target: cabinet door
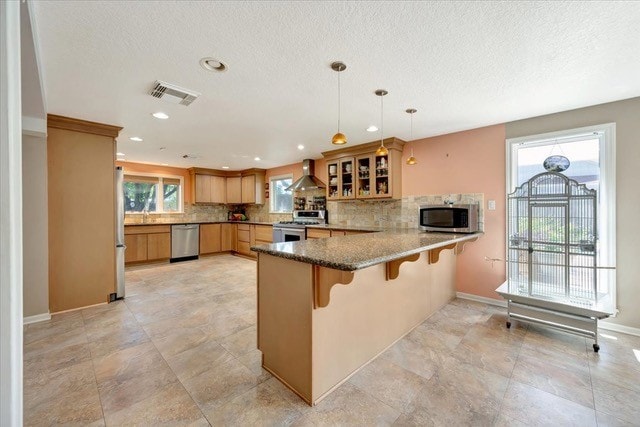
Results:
x,y
228,237
203,189
218,189
336,233
210,238
382,176
234,189
333,183
365,181
136,247
346,180
264,234
248,189
158,246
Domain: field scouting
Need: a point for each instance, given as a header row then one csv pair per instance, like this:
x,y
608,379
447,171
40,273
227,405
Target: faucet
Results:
x,y
145,215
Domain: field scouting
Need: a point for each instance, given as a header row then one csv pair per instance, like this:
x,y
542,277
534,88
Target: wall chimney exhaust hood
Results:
x,y
308,181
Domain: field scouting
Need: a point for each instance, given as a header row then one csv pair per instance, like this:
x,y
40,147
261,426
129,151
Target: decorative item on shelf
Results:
x,y
556,163
339,138
382,150
411,160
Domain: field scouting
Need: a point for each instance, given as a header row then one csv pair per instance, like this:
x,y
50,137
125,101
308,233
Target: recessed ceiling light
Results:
x,y
372,128
164,164
300,147
212,64
136,139
160,115
120,154
163,148
225,167
257,159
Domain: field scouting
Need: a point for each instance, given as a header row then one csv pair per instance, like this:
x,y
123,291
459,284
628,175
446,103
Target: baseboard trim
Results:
x,y
478,298
618,328
36,318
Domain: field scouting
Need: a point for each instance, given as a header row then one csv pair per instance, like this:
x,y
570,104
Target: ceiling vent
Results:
x,y
172,93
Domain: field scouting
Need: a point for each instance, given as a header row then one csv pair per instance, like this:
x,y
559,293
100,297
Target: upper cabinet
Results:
x,y
358,173
214,186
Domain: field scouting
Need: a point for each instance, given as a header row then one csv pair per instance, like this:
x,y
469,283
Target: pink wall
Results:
x,y
466,162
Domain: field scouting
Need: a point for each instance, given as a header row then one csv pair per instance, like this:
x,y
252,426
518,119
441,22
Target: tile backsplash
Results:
x,y
402,213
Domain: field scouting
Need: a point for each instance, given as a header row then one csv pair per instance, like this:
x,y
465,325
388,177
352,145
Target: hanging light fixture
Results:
x,y
339,138
411,160
382,150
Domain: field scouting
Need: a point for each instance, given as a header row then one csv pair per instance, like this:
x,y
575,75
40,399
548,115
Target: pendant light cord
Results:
x,y
412,134
382,120
338,101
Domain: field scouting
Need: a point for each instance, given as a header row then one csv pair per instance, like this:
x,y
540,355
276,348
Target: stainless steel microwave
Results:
x,y
448,218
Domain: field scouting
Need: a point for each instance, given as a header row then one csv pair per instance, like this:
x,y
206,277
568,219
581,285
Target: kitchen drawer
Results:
x,y
244,235
146,229
244,227
264,233
314,233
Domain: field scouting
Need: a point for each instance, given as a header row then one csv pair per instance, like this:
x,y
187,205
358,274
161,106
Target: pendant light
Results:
x,y
411,160
339,138
382,150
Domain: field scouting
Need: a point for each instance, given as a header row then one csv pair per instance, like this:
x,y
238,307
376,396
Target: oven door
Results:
x,y
293,234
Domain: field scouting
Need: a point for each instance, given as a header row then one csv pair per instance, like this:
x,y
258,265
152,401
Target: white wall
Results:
x,y
10,217
626,115
35,233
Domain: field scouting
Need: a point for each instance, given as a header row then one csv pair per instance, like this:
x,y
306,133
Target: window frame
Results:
x,y
607,199
160,201
272,197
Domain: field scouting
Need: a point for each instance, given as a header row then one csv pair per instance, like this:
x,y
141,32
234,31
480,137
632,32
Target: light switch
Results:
x,y
492,205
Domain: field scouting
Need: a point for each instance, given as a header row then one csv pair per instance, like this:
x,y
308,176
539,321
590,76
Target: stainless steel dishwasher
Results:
x,y
185,239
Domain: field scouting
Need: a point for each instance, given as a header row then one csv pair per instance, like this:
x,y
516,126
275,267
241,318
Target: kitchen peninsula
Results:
x,y
326,307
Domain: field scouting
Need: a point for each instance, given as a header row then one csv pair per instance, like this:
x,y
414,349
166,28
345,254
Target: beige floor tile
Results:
x,y
549,340
55,342
568,378
505,421
388,382
197,360
606,420
489,354
118,339
416,357
58,358
170,406
242,342
469,304
620,374
57,325
349,406
179,340
617,401
536,407
259,406
219,384
253,361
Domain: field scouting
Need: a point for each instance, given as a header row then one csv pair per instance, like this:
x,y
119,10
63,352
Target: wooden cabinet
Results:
x,y
341,179
210,189
234,189
358,173
317,233
147,243
263,234
253,186
210,238
244,239
228,237
249,189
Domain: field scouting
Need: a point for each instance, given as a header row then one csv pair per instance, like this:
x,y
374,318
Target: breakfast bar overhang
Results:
x,y
327,307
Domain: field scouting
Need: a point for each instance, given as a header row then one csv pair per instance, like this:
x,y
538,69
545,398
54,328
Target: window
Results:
x,y
280,201
591,151
152,193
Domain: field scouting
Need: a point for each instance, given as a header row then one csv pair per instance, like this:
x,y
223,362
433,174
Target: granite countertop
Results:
x,y
174,222
371,228
355,252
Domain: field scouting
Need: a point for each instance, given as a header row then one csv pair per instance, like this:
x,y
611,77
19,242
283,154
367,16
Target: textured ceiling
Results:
x,y
461,64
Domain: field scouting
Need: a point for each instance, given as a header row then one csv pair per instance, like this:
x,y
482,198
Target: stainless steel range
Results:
x,y
295,230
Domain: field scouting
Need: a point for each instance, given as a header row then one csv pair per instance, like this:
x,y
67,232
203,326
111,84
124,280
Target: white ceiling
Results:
x,y
461,64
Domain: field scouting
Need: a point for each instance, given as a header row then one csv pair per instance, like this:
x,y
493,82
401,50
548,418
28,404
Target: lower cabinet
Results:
x,y
244,239
147,243
318,233
210,238
228,238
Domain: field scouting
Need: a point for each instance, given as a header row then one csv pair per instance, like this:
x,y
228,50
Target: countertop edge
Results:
x,y
266,249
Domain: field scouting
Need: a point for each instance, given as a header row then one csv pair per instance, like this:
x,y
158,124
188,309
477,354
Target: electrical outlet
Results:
x,y
492,205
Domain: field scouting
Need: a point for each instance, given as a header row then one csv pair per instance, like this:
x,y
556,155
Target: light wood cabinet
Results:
x,y
228,238
210,238
234,189
263,234
251,235
358,173
136,247
249,189
218,189
210,189
203,189
316,233
147,243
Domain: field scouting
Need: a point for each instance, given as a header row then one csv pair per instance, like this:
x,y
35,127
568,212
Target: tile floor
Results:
x,y
181,350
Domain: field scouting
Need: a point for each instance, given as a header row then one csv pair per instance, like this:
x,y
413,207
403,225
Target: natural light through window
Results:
x,y
152,193
280,201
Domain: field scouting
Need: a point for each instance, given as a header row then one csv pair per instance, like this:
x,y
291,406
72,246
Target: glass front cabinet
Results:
x,y
366,175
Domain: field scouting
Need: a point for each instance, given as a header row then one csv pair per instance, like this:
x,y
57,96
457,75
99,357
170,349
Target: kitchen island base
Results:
x,y
318,326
